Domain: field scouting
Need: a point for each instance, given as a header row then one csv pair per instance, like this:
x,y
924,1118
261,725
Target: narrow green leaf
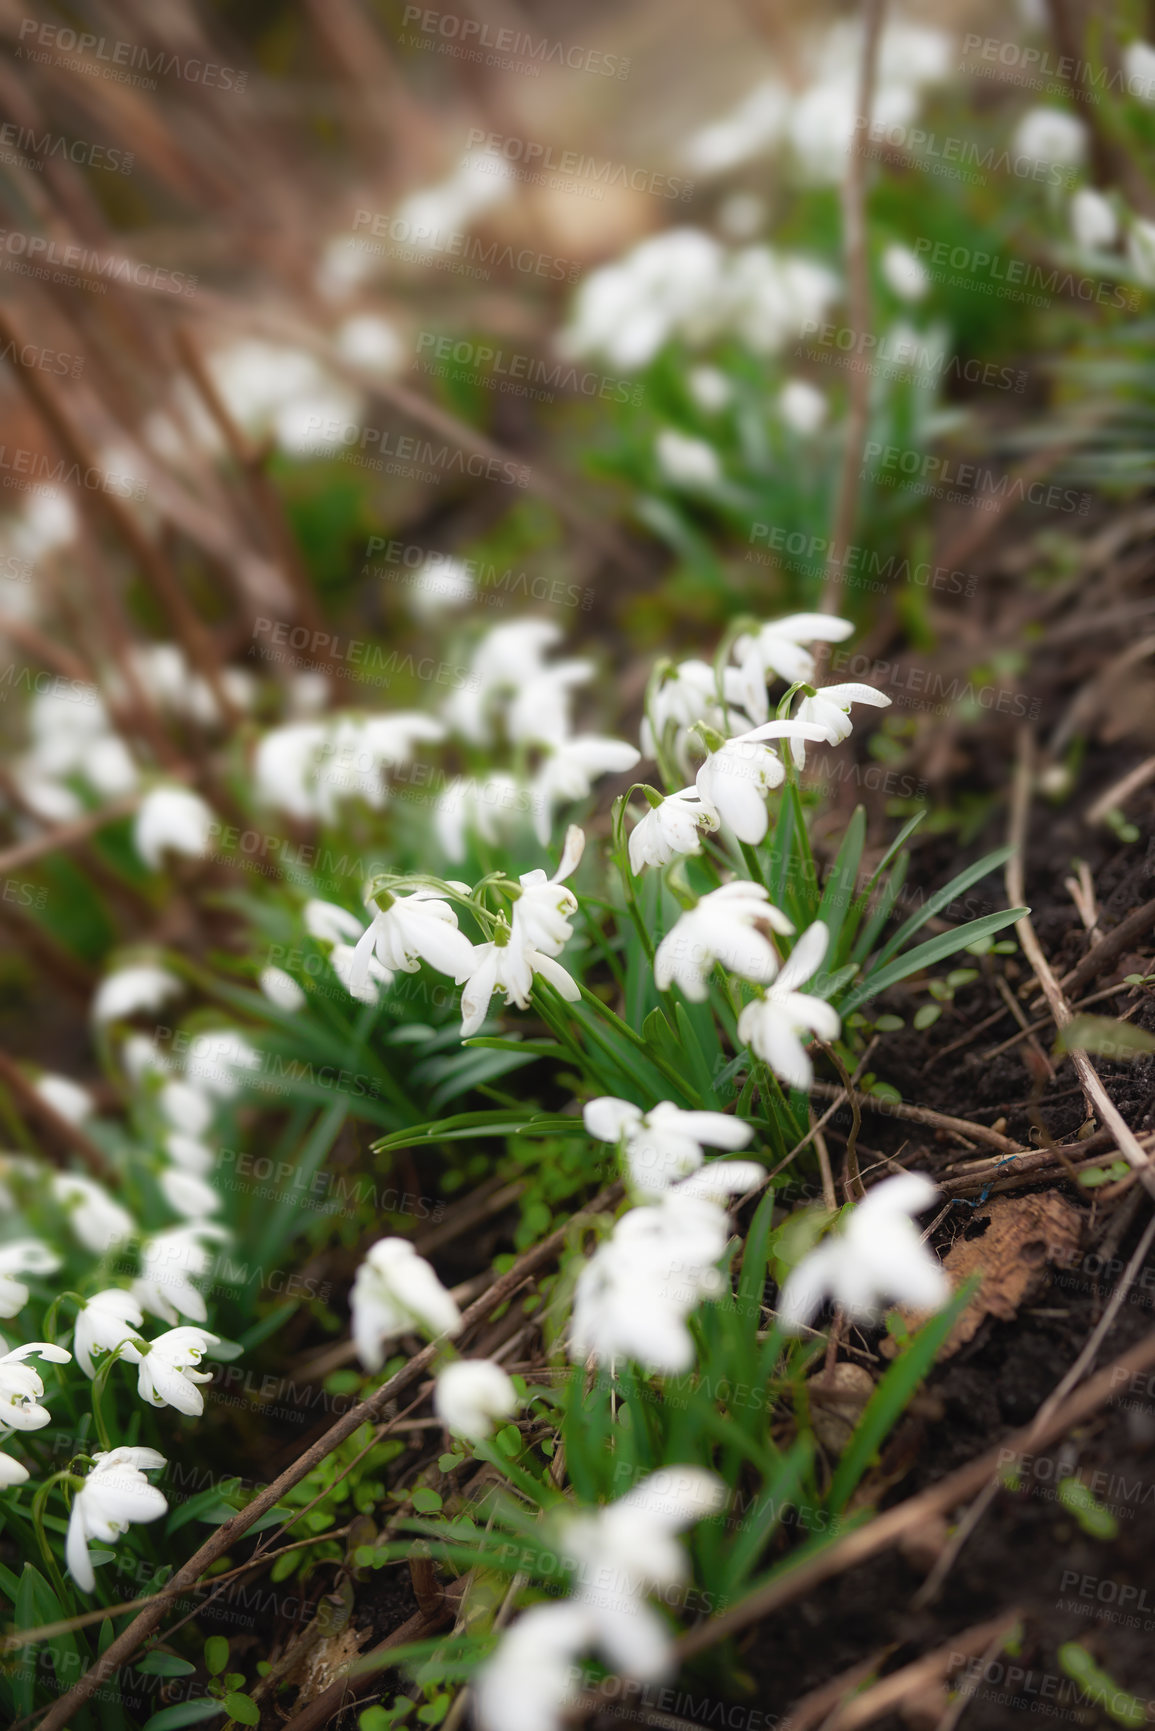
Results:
x,y
925,955
942,898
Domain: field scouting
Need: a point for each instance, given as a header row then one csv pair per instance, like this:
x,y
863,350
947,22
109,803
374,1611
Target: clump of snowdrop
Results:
x,y
114,1495
684,284
664,1144
472,1396
772,1023
397,1292
878,1257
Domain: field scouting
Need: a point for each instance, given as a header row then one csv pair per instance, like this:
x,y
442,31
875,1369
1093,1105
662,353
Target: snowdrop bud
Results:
x,y
171,819
23,1256
1093,221
1139,66
114,1496
282,990
710,389
472,1394
188,1194
66,1097
802,407
96,1219
128,990
687,462
1050,135
396,1292
11,1472
905,273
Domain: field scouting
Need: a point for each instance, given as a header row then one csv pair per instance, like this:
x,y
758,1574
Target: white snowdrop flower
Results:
x,y
568,773
710,389
96,1219
284,766
769,296
442,583
736,777
755,126
730,926
541,913
778,648
674,826
369,341
140,1058
187,1109
802,407
532,1677
685,695
128,990
481,179
1139,67
219,1060
172,820
108,1319
664,1144
718,1180
472,1395
22,1256
11,1472
539,713
281,989
114,1496
669,285
188,1194
1141,249
47,523
65,1096
771,1024
635,1293
167,1373
1050,135
485,806
508,964
686,461
21,1388
109,767
364,984
877,1258
905,273
830,709
330,924
395,1291
187,1152
628,1549
344,266
502,661
47,799
408,930
741,215
170,1261
1094,225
